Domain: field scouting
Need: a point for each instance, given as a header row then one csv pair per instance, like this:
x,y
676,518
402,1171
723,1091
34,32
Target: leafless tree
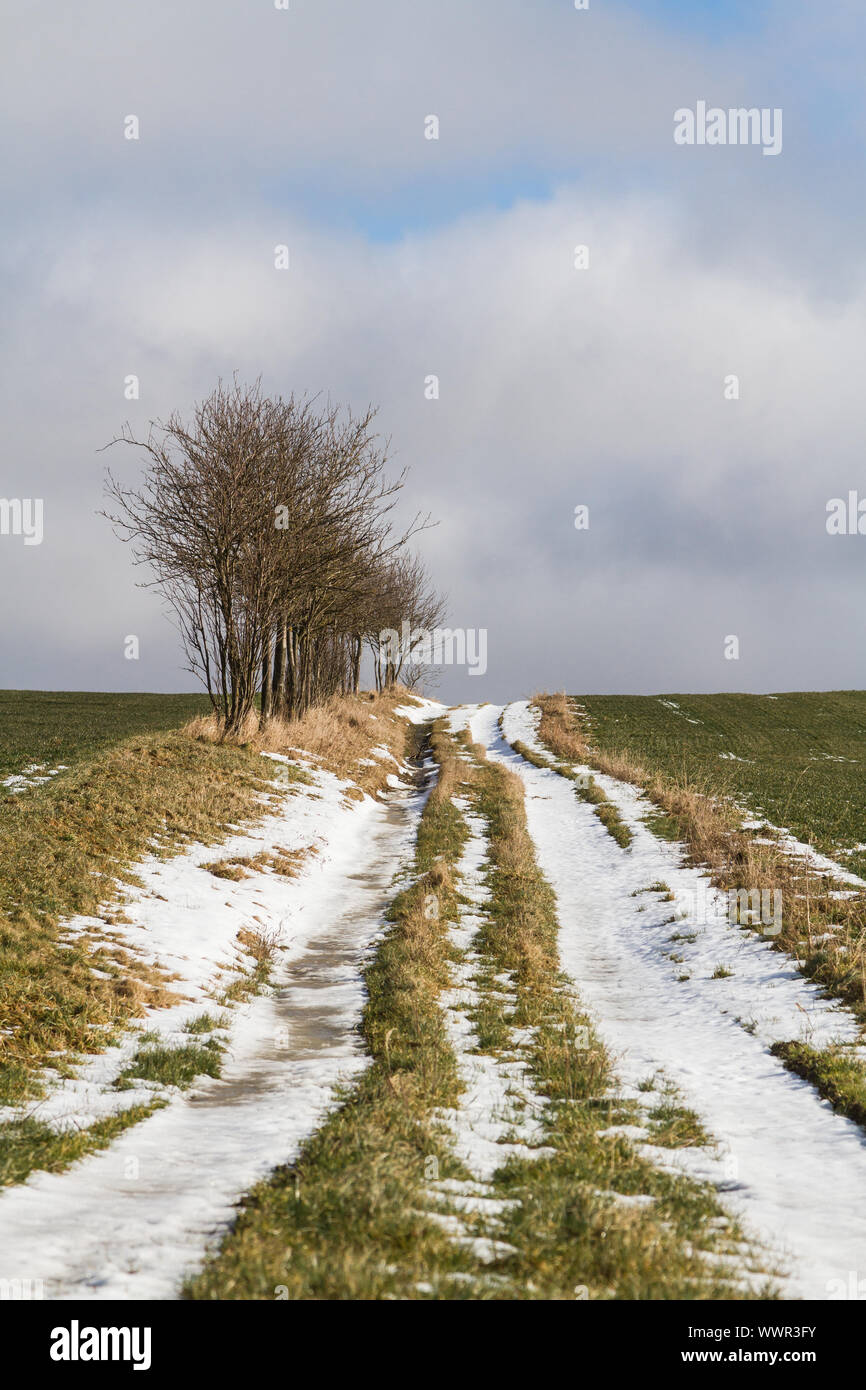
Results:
x,y
266,524
407,604
201,519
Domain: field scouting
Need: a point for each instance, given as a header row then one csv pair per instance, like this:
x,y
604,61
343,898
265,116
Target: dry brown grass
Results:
x,y
261,945
234,869
558,729
339,734
284,862
66,850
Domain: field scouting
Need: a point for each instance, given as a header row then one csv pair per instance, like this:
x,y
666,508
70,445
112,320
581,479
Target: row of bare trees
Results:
x,y
267,526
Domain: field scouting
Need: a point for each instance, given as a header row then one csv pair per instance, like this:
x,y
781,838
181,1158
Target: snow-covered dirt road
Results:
x,y
132,1221
679,994
792,1169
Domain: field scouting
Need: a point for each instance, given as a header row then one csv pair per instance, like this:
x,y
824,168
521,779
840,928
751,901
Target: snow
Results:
x,y
133,1220
498,1114
788,844
672,705
421,711
499,1111
793,1170
459,717
522,720
33,776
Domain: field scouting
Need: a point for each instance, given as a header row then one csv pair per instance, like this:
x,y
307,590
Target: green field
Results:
x,y
803,755
52,727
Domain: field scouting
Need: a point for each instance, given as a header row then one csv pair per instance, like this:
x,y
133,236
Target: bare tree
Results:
x,y
338,531
406,605
266,526
202,519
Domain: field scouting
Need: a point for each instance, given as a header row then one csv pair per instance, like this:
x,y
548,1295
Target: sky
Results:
x,y
606,387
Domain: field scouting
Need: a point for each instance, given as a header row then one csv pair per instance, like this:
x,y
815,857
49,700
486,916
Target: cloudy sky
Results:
x,y
409,257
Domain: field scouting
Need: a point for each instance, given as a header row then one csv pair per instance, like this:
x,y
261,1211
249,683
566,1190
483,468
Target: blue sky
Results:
x,y
725,21
775,53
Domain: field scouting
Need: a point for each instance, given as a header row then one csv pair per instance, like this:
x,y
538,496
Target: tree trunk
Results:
x,y
265,713
290,686
277,691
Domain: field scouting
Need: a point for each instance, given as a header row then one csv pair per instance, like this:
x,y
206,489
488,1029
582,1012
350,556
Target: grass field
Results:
x,y
52,727
797,759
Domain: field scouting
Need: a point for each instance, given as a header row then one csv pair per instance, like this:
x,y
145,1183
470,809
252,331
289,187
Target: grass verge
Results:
x,y
838,1077
28,1145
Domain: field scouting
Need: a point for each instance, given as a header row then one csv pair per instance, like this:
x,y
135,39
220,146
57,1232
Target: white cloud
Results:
x,y
558,386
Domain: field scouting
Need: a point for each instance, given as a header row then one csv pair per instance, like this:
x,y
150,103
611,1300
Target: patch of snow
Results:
x,y
499,1110
788,844
523,720
457,717
672,705
422,711
32,776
